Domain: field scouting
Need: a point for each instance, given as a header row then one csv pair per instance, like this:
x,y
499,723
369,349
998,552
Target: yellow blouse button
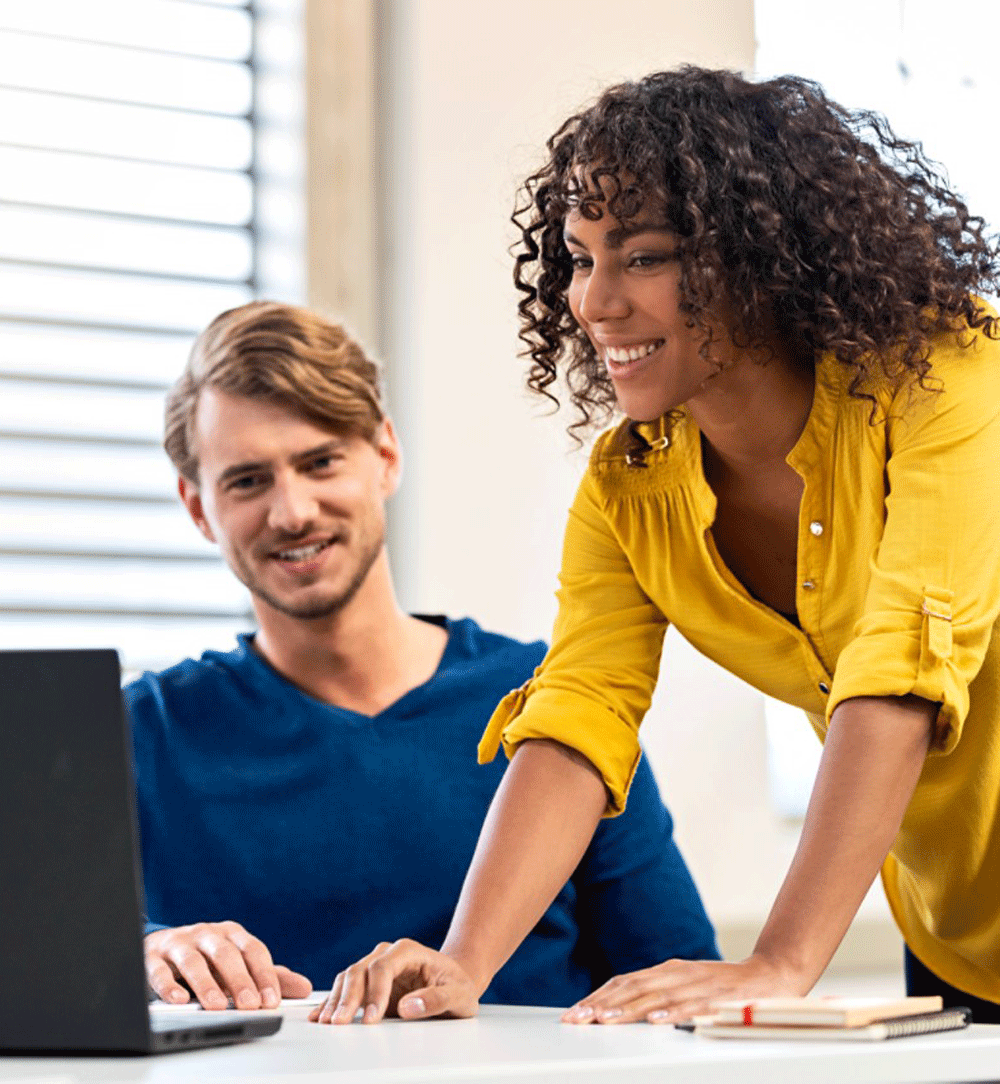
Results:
x,y
808,585
816,527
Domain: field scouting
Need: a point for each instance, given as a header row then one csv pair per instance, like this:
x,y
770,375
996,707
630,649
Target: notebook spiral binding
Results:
x,y
926,1023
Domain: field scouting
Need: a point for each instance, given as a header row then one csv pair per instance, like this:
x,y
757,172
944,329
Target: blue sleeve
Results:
x,y
637,902
138,699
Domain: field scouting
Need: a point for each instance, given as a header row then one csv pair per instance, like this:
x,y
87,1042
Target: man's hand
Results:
x,y
218,960
679,989
403,979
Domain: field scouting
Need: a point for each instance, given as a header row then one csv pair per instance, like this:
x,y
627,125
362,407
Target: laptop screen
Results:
x,y
70,909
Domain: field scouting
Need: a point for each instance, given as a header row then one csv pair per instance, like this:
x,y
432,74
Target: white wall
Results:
x,y
473,90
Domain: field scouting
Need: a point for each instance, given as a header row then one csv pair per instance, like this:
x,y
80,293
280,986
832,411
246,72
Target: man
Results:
x,y
317,787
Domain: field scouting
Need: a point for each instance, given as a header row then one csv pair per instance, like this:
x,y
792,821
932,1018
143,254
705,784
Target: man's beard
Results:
x,y
318,607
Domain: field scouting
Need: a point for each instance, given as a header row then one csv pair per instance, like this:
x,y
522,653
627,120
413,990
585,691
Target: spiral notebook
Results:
x,y
899,1028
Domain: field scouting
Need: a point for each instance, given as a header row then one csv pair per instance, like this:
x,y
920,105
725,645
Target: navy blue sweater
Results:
x,y
324,831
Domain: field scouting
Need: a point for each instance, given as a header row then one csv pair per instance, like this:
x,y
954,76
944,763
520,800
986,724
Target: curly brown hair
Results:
x,y
814,222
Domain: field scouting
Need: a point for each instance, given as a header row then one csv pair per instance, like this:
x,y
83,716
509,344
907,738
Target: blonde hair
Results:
x,y
286,355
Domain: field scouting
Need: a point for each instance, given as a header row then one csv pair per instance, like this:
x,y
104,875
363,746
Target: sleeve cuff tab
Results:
x,y
937,623
506,711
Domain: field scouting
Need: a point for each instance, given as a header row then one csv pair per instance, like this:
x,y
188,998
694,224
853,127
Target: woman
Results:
x,y
806,484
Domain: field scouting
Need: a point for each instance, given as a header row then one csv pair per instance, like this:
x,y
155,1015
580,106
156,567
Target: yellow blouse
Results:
x,y
898,592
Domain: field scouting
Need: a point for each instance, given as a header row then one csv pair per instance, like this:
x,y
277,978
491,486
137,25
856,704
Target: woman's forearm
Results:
x,y
871,762
540,822
544,815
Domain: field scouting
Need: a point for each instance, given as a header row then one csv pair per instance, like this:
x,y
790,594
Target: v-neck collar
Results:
x,y
807,451
803,458
815,437
397,707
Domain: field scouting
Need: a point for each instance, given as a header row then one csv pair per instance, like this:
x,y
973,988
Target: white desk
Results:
x,y
530,1045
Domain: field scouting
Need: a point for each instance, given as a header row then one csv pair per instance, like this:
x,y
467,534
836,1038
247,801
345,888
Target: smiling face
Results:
x,y
297,511
625,296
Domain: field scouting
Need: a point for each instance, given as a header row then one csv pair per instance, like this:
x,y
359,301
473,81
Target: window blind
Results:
x,y
129,217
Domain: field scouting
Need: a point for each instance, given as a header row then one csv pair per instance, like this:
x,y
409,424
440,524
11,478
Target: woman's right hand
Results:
x,y
535,833
403,979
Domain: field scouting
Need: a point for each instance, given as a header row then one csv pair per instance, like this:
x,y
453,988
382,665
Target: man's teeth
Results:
x,y
302,553
624,354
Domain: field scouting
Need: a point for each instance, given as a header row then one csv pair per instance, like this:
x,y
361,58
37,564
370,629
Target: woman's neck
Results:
x,y
753,414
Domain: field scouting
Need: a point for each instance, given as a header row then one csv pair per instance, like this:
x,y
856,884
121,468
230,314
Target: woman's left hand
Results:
x,y
679,989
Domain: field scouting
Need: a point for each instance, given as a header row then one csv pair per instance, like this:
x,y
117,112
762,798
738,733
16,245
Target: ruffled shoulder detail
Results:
x,y
618,466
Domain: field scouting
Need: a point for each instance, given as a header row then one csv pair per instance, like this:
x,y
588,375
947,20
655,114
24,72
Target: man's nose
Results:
x,y
604,297
293,506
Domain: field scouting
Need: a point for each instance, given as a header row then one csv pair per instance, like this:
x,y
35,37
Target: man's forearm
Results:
x,y
539,825
871,762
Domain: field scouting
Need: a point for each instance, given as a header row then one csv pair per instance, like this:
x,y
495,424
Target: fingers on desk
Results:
x,y
667,993
404,977
673,991
216,960
252,968
430,1001
163,982
291,983
350,990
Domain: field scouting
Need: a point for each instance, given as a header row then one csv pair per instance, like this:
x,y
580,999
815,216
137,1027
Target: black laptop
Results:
x,y
72,976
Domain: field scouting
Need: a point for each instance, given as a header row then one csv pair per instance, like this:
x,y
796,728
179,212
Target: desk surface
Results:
x,y
518,1044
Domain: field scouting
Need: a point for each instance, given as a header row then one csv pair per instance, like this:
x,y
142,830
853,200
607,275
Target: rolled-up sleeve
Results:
x,y
934,593
594,686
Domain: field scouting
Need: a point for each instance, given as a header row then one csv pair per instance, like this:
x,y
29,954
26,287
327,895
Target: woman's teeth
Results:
x,y
622,355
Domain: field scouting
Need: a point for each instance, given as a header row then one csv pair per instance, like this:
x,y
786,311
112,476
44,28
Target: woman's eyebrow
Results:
x,y
620,234
615,238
